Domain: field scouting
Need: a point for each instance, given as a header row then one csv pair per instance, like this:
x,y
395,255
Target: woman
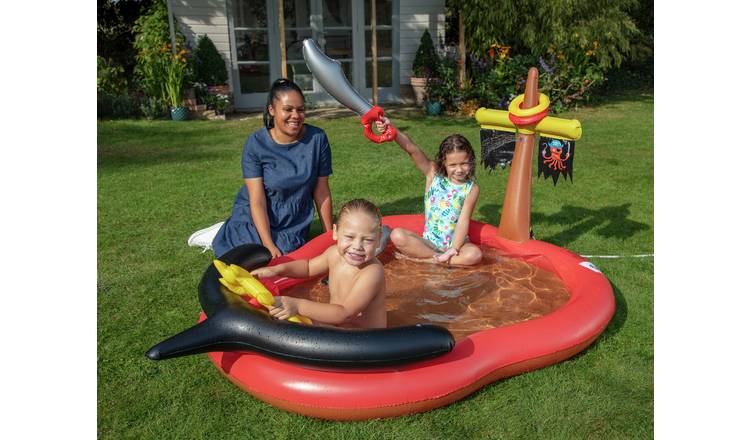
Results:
x,y
286,166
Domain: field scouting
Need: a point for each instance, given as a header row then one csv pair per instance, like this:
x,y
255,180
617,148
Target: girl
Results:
x,y
450,196
285,165
356,279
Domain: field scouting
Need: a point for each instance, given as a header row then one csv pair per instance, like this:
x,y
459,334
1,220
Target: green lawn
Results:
x,y
160,181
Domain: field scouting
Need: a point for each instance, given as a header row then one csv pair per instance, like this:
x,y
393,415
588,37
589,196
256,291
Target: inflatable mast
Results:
x,y
527,117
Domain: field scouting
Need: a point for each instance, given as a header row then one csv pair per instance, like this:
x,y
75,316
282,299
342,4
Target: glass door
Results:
x,y
297,28
340,27
388,89
251,57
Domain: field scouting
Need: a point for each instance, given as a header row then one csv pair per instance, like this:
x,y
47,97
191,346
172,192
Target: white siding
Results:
x,y
209,17
415,17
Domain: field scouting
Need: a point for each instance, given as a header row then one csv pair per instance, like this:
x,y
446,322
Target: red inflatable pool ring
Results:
x,y
476,361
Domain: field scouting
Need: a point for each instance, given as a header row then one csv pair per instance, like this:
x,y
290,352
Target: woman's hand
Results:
x,y
275,252
284,307
382,123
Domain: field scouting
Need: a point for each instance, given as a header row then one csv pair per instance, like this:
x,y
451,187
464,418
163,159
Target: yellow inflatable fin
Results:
x,y
258,291
225,272
239,290
241,282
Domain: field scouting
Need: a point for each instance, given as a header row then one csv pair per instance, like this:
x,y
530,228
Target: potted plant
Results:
x,y
423,66
221,104
174,85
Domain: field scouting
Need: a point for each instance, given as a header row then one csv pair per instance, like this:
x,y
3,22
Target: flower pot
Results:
x,y
419,86
433,108
179,113
218,88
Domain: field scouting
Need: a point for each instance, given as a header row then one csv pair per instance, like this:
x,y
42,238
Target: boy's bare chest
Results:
x,y
340,282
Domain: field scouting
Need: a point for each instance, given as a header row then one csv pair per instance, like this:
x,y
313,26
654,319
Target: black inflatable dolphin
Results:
x,y
234,325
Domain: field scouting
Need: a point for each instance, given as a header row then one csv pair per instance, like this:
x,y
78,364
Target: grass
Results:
x,y
160,181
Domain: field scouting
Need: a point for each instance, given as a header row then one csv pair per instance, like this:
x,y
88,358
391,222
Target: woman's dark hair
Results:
x,y
451,144
281,85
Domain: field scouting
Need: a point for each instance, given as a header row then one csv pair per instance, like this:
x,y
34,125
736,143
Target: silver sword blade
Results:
x,y
329,74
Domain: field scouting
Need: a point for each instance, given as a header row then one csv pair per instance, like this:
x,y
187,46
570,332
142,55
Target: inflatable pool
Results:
x,y
332,392
344,374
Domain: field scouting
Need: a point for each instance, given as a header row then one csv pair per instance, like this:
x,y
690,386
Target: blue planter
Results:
x,y
179,113
433,108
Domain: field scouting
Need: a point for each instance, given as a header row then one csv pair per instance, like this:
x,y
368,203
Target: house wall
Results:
x,y
198,17
415,17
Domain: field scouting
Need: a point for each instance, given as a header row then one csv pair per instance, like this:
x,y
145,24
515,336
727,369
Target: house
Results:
x,y
248,34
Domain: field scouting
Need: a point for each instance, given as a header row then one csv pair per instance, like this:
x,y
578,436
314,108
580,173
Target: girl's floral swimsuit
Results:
x,y
442,206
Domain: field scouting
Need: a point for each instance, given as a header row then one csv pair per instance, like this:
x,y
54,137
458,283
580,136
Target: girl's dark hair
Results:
x,y
281,85
453,143
360,205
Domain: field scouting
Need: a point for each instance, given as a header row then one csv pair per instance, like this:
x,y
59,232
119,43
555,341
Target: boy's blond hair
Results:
x,y
360,205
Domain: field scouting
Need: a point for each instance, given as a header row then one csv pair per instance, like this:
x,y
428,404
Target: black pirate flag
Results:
x,y
555,158
497,148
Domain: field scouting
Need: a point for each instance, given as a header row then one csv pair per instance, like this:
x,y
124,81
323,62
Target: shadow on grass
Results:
x,y
619,318
614,97
610,222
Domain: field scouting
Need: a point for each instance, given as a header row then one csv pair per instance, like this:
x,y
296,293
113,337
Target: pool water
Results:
x,y
500,291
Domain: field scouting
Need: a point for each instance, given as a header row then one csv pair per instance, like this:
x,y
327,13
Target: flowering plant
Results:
x,y
175,77
217,101
221,101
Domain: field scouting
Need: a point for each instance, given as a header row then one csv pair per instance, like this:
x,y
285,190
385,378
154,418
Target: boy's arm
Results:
x,y
462,226
297,268
369,282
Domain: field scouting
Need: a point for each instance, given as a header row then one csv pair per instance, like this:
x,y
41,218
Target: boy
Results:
x,y
356,278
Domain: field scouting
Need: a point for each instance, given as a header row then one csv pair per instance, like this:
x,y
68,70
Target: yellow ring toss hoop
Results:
x,y
515,106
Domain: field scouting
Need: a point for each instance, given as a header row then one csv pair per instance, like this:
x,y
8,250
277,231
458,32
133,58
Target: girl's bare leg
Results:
x,y
468,255
412,244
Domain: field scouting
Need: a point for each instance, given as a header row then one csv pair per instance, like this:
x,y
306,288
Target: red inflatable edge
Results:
x,y
476,361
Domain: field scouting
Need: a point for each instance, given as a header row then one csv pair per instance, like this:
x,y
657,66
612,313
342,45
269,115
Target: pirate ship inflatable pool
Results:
x,y
360,374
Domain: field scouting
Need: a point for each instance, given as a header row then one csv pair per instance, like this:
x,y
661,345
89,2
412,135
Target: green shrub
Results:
x,y
443,86
424,60
109,77
117,106
154,108
569,77
572,74
210,67
494,81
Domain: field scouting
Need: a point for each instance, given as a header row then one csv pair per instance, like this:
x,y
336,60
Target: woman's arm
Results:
x,y
323,202
364,290
462,226
259,214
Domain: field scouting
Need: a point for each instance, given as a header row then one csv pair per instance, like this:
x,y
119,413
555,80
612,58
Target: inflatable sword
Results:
x,y
329,74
